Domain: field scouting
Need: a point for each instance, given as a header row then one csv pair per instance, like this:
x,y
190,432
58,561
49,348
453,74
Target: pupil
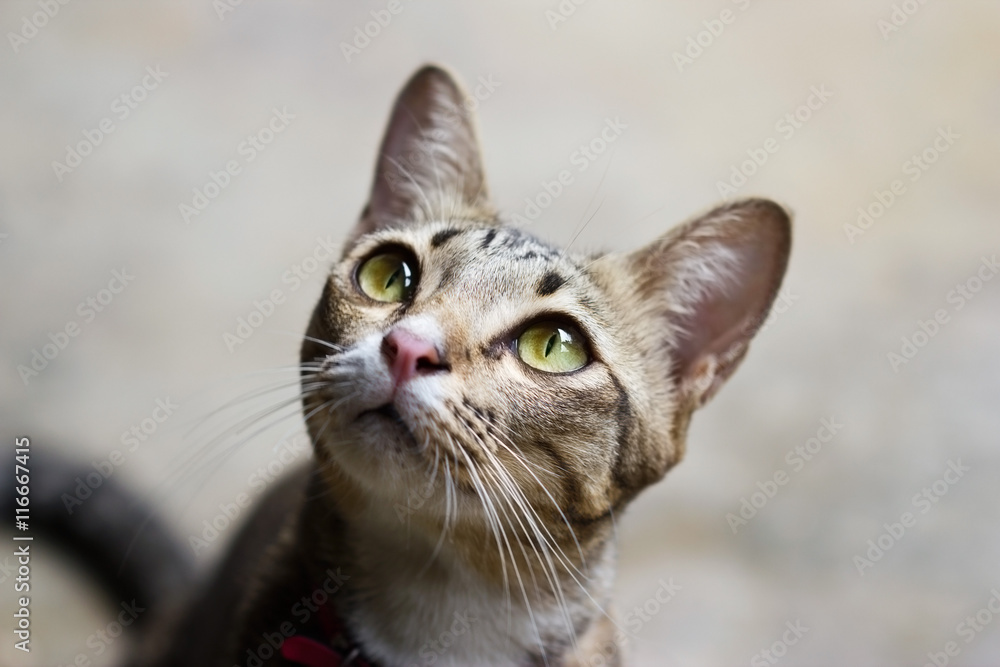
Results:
x,y
551,342
392,279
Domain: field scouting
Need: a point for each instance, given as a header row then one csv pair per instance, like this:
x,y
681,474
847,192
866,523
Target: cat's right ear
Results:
x,y
703,290
429,165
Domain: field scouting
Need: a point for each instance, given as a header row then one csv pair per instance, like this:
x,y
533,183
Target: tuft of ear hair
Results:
x,y
707,287
429,165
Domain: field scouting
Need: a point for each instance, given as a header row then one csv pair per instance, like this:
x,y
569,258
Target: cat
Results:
x,y
483,407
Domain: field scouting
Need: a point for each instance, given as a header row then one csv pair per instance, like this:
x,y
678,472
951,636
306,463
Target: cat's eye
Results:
x,y
388,277
552,347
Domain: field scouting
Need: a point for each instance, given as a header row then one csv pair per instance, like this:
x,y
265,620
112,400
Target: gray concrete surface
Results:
x,y
848,304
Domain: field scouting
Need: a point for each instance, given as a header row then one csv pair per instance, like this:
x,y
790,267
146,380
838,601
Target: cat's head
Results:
x,y
454,362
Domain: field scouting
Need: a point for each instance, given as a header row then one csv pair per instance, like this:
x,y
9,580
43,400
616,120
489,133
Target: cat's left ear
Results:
x,y
429,165
704,290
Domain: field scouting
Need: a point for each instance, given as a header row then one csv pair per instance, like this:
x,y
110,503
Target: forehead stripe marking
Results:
x,y
440,238
550,283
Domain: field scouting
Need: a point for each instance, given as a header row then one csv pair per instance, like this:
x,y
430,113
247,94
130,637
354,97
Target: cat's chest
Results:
x,y
427,626
409,612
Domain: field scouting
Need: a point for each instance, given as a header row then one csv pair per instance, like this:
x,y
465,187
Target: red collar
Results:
x,y
337,651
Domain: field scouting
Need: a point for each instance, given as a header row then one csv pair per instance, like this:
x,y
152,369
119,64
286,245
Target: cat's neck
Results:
x,y
411,593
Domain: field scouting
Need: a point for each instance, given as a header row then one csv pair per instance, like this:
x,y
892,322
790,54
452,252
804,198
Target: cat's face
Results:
x,y
460,368
534,377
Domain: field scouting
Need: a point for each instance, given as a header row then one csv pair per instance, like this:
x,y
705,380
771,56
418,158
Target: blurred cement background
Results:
x,y
703,91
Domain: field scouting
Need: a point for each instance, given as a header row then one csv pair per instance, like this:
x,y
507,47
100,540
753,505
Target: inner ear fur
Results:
x,y
429,165
706,287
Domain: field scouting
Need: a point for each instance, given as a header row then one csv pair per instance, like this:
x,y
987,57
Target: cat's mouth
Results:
x,y
390,413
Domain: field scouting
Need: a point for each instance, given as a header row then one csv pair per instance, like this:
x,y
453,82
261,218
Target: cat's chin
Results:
x,y
388,414
377,446
386,453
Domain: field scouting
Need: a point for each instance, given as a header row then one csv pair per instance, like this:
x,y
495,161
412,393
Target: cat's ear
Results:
x,y
429,165
705,289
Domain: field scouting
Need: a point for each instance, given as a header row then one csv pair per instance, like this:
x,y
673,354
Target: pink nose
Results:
x,y
409,355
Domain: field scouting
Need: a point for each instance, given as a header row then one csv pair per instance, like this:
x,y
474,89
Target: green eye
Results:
x,y
552,348
389,277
